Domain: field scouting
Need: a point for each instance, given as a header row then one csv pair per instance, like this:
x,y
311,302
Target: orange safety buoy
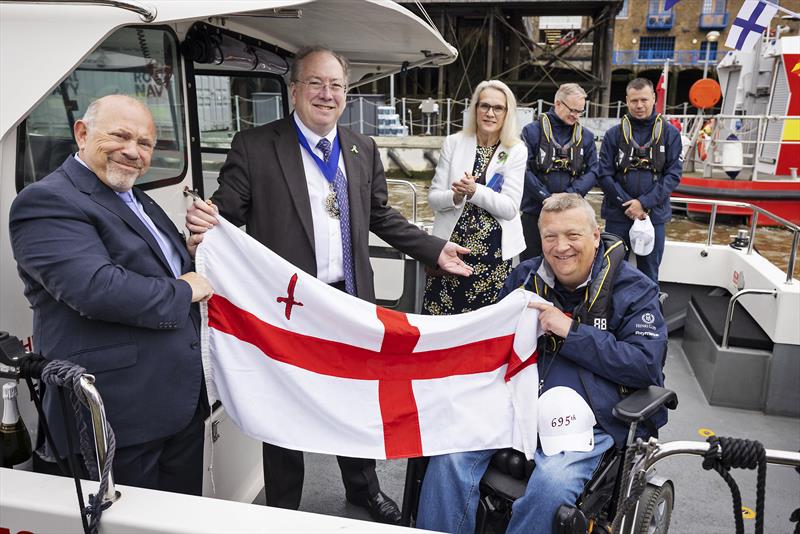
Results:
x,y
705,93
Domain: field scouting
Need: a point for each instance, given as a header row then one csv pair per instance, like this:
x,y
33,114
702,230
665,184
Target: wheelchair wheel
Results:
x,y
655,510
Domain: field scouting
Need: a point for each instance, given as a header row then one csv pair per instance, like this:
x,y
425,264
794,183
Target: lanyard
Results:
x,y
328,168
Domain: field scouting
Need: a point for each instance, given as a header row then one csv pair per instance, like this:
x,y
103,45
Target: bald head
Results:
x,y
116,138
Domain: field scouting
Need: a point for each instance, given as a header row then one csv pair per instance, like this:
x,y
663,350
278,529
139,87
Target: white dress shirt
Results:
x,y
327,233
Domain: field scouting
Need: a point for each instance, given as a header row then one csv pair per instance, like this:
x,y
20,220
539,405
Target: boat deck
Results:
x,y
702,500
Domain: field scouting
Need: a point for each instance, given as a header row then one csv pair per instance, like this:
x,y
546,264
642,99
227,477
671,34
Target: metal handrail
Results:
x,y
756,211
146,13
731,305
700,448
406,183
100,428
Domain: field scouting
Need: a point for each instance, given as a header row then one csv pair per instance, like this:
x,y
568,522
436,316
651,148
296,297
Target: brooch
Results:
x,y
502,157
354,149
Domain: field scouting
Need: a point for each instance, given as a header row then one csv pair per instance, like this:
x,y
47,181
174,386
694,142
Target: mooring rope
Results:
x,y
726,453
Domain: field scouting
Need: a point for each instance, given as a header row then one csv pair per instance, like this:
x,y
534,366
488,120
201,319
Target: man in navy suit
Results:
x,y
109,281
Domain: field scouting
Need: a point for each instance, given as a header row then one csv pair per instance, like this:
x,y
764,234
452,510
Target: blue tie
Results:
x,y
340,188
173,258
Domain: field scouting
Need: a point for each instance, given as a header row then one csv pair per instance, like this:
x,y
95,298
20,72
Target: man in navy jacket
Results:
x,y
109,280
640,166
562,157
590,355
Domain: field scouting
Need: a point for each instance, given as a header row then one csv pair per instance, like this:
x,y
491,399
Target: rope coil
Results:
x,y
67,375
726,453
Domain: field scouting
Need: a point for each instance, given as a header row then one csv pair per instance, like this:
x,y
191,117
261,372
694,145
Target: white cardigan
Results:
x,y
458,157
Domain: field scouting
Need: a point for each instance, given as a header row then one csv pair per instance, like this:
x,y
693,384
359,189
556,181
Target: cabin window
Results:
x,y
140,62
227,103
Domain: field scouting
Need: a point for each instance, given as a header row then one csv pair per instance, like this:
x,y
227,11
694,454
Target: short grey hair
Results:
x,y
303,53
566,90
560,202
509,134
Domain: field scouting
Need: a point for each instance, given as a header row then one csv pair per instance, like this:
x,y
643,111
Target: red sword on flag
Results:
x,y
289,298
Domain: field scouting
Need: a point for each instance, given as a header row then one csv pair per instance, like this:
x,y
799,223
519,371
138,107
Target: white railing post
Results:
x,y
448,116
238,117
539,107
403,112
361,115
410,122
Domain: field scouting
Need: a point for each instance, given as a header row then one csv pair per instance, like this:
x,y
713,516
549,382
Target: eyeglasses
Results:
x,y
317,86
575,112
484,108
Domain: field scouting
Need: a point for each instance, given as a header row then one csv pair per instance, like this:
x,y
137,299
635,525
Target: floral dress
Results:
x,y
479,231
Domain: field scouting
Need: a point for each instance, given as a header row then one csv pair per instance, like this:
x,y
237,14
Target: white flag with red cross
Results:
x,y
299,364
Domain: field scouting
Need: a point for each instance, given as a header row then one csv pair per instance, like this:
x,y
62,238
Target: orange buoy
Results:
x,y
705,93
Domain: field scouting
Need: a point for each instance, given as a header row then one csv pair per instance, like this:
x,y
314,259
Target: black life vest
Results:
x,y
595,308
649,157
554,157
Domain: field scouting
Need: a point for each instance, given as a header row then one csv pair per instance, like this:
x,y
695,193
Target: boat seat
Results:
x,y
744,332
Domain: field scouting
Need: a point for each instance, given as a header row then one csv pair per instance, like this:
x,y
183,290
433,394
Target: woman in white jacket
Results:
x,y
475,196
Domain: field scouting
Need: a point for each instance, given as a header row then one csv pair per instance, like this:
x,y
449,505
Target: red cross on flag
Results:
x,y
297,363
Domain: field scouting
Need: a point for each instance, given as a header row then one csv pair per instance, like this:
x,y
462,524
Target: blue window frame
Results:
x,y
656,48
712,51
659,18
713,15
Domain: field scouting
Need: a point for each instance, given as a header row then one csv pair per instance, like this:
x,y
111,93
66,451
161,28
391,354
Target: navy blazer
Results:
x,y
103,296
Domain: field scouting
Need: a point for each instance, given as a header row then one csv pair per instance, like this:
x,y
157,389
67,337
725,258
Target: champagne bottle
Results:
x,y
14,438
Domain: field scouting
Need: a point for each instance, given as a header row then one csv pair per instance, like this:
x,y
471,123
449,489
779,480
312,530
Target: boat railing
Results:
x,y
412,189
752,132
755,212
700,448
731,307
145,12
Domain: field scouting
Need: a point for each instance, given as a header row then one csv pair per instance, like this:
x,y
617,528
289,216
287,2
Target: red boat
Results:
x,y
750,152
781,197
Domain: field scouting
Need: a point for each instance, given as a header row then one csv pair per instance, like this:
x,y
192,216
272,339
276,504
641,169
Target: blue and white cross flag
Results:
x,y
751,21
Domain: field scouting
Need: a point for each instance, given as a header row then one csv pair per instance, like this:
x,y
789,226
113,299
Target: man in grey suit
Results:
x,y
312,192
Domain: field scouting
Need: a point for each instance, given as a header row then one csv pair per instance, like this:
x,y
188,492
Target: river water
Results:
x,y
773,243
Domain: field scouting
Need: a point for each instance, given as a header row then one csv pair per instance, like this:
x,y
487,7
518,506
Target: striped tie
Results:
x,y
340,188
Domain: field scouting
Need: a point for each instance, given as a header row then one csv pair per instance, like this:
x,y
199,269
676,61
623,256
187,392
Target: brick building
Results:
x,y
646,35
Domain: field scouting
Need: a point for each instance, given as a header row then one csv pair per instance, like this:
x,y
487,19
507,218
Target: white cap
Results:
x,y
566,421
643,236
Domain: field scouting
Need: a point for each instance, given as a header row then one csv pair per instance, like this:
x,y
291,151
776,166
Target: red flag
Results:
x,y
661,91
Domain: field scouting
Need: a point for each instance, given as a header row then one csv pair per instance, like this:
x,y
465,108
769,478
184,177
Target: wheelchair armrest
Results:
x,y
642,403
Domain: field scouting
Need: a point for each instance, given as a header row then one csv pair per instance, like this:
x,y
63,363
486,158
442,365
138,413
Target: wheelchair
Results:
x,y
610,492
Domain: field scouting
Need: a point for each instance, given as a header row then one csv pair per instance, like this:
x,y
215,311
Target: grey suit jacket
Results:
x,y
262,185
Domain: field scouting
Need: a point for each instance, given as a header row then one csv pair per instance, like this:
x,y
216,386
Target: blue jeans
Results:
x,y
450,491
647,264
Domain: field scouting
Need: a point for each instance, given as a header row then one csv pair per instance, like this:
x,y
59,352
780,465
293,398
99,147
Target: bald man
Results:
x,y
109,280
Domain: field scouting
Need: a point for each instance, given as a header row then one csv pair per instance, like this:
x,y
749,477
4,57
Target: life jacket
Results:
x,y
650,157
554,157
595,308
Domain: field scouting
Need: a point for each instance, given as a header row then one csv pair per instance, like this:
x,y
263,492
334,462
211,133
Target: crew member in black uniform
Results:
x,y
562,157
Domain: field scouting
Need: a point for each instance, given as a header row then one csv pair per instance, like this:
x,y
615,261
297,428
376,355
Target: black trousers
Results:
x,y
533,240
284,471
173,463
